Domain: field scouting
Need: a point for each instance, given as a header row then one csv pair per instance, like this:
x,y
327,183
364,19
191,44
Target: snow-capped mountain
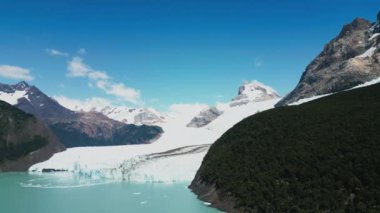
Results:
x,y
253,92
75,128
125,114
138,116
350,59
249,92
31,100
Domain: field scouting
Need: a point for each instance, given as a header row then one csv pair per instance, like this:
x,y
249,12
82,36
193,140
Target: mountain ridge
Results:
x,y
74,128
350,59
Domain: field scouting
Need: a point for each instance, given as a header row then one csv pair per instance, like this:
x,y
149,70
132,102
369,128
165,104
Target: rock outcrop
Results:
x,y
205,117
350,59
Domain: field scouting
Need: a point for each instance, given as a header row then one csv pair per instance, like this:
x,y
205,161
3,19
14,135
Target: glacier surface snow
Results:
x,y
176,156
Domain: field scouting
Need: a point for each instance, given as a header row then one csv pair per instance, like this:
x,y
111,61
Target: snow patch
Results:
x,y
367,53
12,98
305,100
373,36
374,81
179,151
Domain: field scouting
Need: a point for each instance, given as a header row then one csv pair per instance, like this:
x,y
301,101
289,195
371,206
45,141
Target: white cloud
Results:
x,y
82,51
185,111
14,72
123,92
101,85
101,80
54,52
77,68
258,62
88,104
98,75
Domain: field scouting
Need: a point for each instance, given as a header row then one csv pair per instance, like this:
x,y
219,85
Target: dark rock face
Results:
x,y
44,107
205,117
350,59
39,104
79,129
95,129
209,193
24,140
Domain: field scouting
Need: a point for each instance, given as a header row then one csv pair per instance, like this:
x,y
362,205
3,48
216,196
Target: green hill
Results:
x,y
322,156
23,140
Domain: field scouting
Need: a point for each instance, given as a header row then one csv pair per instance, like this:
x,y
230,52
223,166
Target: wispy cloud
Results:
x,y
185,111
101,80
77,68
258,62
123,92
88,104
54,52
14,72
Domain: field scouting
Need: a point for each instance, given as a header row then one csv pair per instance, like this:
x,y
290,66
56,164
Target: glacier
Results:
x,y
174,157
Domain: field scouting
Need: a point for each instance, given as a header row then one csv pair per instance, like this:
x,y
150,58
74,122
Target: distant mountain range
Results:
x,y
128,115
76,128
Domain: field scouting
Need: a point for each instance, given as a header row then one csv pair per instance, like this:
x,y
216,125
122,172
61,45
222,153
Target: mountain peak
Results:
x,y
253,91
348,60
251,87
356,25
22,85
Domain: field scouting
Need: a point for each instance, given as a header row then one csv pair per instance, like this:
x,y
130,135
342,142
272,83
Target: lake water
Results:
x,y
66,193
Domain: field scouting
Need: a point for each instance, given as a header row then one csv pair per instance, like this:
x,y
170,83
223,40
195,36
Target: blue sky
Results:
x,y
157,53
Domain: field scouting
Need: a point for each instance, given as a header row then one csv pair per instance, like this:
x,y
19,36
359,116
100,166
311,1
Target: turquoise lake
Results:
x,y
65,193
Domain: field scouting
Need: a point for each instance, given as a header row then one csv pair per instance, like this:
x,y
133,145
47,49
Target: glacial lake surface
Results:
x,y
67,193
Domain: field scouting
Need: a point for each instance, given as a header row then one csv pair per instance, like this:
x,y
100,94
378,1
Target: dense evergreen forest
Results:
x,y
321,156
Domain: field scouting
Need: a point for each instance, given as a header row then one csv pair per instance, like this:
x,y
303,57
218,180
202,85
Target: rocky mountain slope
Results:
x,y
31,100
321,156
350,59
96,129
250,92
74,128
205,117
24,140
